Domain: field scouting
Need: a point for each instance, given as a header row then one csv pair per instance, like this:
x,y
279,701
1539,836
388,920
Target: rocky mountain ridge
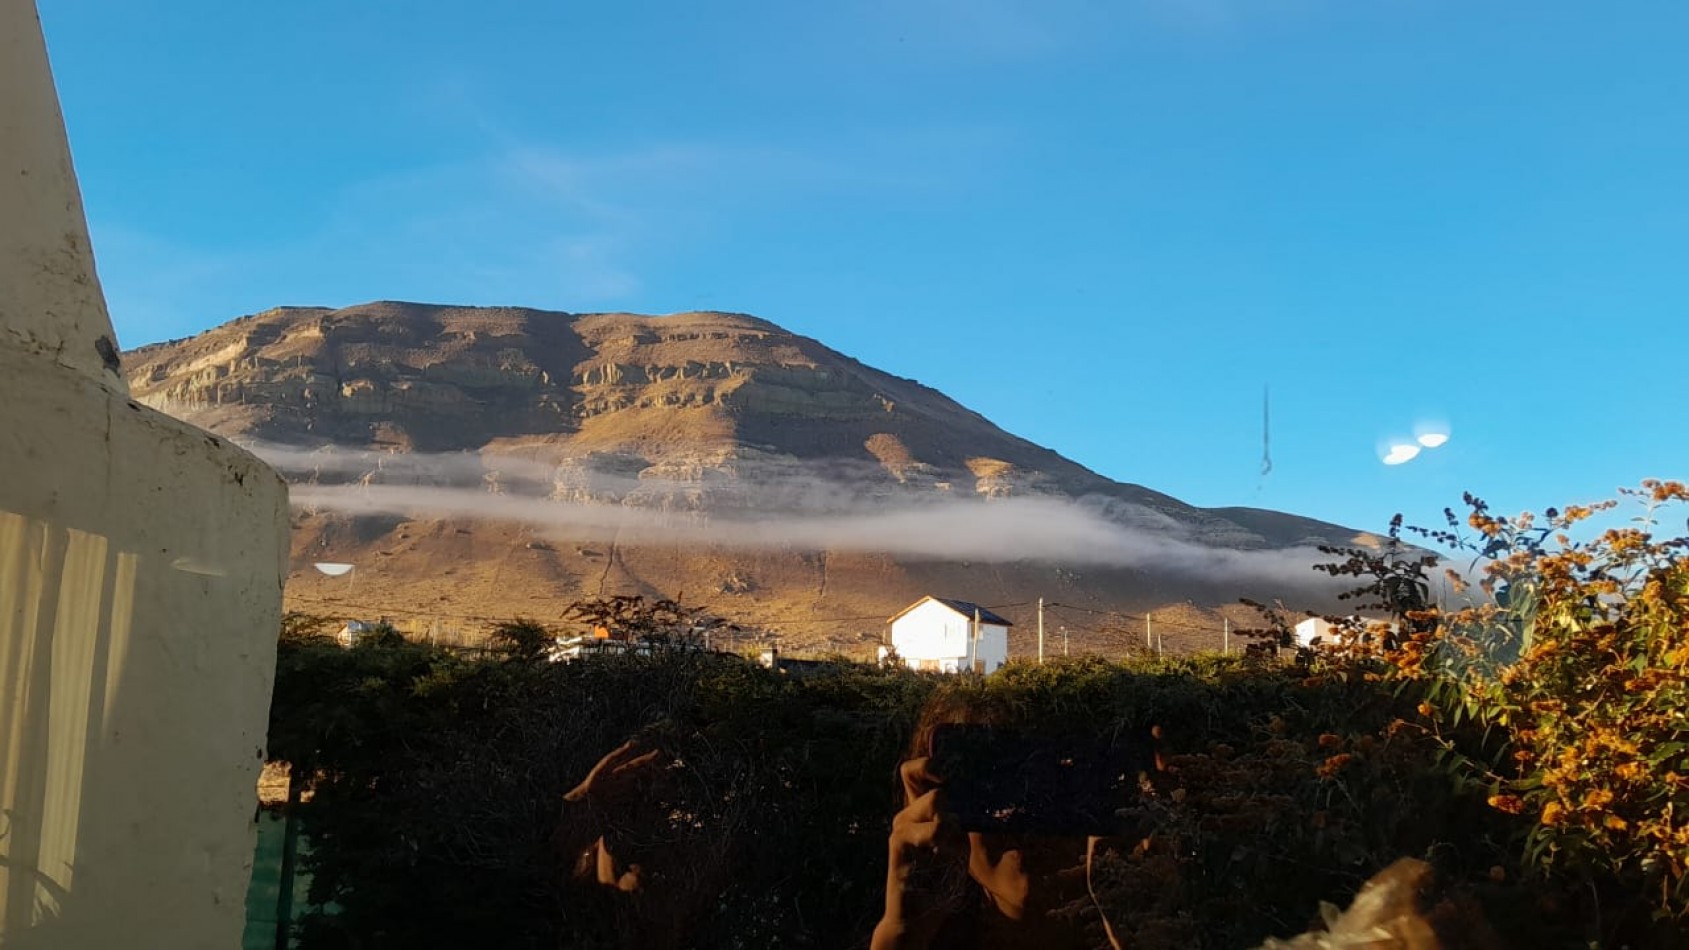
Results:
x,y
694,413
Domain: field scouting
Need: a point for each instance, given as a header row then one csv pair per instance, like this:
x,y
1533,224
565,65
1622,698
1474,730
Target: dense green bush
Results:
x,y
1528,745
436,811
437,814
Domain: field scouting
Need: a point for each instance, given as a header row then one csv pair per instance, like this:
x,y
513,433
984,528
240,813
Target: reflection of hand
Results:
x,y
916,828
1001,873
613,785
617,776
919,833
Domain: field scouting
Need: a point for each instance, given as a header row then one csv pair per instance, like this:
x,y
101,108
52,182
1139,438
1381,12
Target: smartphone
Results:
x,y
1006,781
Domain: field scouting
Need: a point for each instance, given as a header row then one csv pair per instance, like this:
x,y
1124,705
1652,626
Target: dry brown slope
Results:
x,y
702,396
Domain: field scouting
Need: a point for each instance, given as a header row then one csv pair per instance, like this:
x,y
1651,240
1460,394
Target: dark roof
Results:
x,y
964,607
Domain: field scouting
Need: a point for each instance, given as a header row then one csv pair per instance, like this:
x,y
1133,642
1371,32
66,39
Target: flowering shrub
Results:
x,y
1563,682
1555,695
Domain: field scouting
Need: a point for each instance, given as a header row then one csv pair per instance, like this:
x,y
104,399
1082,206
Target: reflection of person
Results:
x,y
649,857
614,787
946,887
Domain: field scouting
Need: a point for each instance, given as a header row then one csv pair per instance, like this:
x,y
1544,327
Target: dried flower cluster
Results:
x,y
1571,660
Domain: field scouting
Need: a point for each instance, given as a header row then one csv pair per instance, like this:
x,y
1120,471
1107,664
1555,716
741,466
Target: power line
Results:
x,y
1125,616
319,602
421,615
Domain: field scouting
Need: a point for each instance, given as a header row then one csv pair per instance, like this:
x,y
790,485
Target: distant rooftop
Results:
x,y
966,608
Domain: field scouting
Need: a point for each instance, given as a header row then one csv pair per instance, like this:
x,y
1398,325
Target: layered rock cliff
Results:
x,y
694,413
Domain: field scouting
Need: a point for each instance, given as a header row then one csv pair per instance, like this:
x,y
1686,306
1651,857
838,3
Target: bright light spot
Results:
x,y
332,569
1431,433
193,565
1401,452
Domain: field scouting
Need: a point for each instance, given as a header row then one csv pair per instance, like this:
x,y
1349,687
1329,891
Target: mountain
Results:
x,y
479,463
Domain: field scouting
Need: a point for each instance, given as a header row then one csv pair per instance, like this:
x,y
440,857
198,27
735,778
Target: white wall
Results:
x,y
50,302
141,563
993,648
1313,627
1327,632
934,632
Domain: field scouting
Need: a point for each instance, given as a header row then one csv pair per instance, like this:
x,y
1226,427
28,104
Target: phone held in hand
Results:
x,y
1005,781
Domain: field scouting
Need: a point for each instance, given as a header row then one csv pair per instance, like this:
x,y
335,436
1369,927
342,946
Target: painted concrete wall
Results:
x,y
50,302
141,563
1327,633
1315,628
933,632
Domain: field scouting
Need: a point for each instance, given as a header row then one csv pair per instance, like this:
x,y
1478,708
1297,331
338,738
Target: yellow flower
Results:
x,y
1553,814
1509,804
1597,799
1632,772
1333,765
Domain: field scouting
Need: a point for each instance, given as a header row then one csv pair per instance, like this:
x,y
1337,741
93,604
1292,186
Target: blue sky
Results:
x,y
1104,224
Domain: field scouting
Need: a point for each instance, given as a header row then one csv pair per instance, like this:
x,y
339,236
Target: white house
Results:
x,y
1316,629
1326,633
569,649
950,636
353,631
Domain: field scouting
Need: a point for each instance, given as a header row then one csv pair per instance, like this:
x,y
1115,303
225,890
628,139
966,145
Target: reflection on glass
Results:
x,y
65,603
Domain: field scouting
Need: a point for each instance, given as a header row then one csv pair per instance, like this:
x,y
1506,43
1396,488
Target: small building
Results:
x,y
1316,632
353,632
1320,633
944,635
771,659
569,649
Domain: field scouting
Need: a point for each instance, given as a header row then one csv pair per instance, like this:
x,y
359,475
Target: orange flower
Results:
x,y
1667,491
1553,814
1330,740
1510,804
1330,767
1597,799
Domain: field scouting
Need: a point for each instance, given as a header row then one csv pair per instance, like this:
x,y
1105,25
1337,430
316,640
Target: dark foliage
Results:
x,y
661,623
437,815
522,638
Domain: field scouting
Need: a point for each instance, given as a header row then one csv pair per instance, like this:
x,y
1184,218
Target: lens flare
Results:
x,y
1401,452
1431,432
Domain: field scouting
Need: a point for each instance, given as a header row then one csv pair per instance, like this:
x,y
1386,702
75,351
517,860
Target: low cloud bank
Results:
x,y
774,504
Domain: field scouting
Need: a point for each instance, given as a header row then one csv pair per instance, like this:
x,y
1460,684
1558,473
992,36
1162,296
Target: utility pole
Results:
x,y
1040,631
973,645
1149,639
1226,644
1064,641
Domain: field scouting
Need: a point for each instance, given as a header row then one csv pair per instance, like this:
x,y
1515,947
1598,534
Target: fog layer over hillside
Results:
x,y
772,503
